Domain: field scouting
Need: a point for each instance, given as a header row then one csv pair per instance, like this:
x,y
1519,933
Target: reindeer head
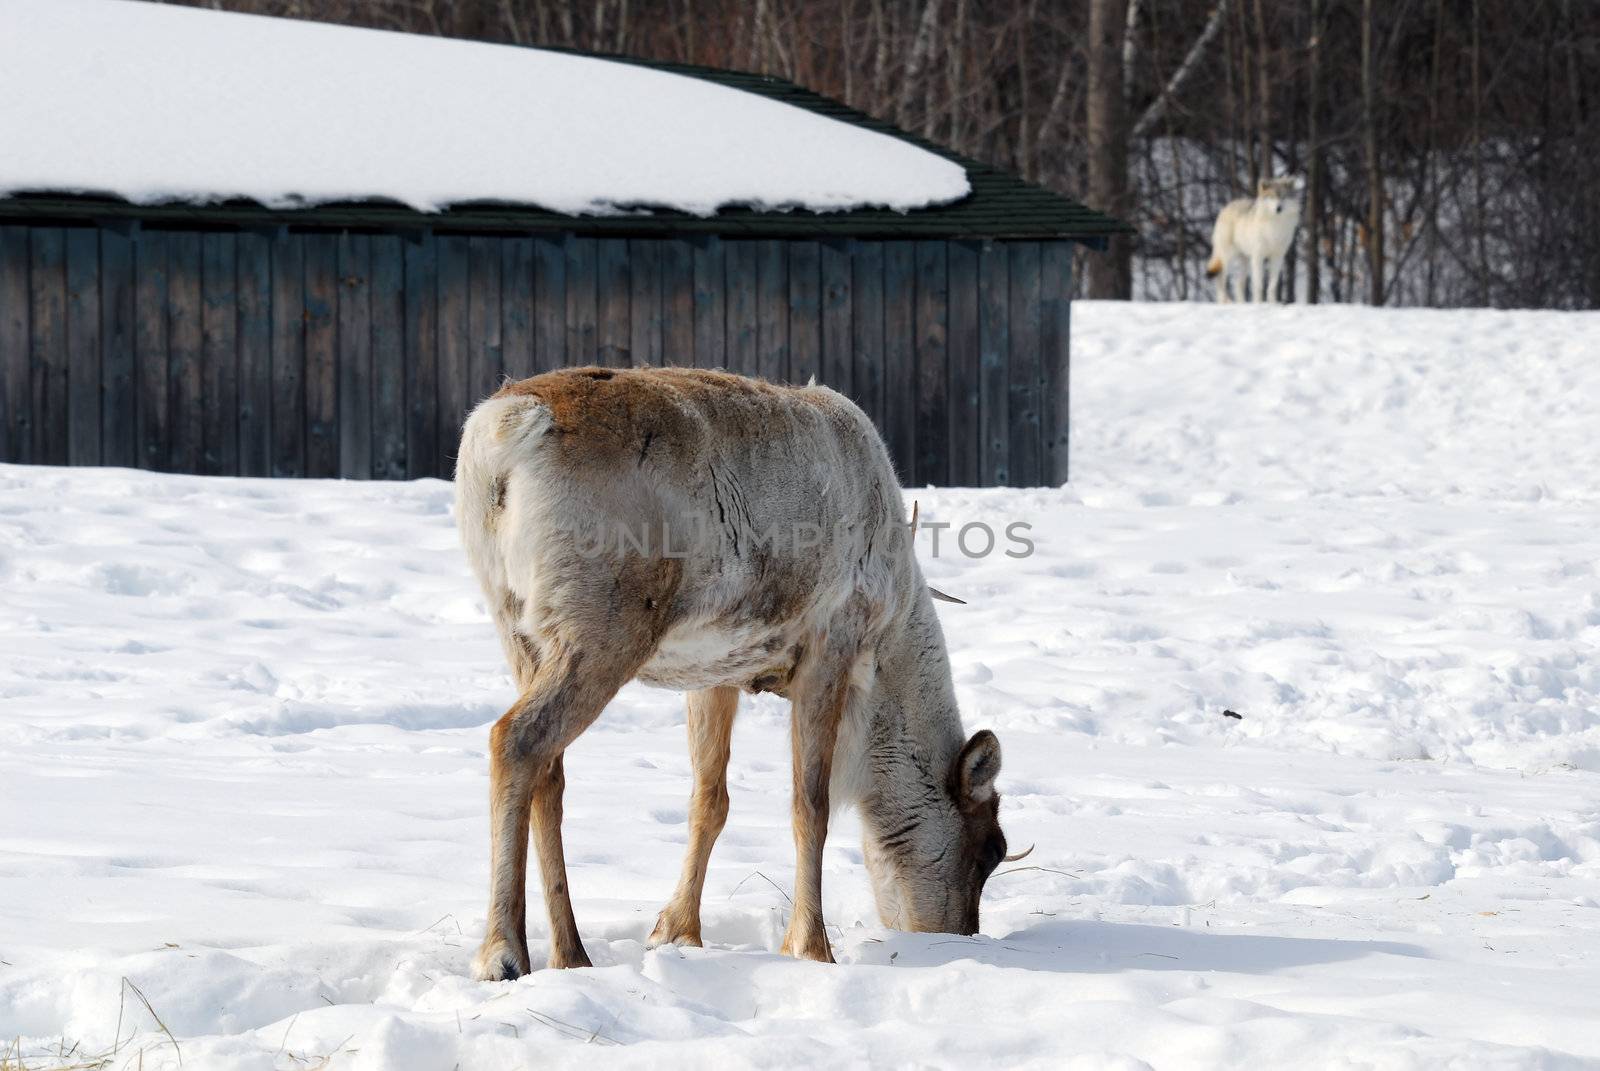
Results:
x,y
929,864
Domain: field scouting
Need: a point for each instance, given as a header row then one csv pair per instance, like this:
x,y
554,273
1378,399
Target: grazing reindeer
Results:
x,y
1259,230
703,531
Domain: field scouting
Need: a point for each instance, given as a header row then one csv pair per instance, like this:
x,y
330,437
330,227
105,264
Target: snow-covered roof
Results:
x,y
156,104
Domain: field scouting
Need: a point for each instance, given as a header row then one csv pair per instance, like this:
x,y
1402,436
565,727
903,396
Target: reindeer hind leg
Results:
x,y
567,689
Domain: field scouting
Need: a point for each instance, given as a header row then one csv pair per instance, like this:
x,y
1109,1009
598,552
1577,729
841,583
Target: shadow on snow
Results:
x,y
1084,946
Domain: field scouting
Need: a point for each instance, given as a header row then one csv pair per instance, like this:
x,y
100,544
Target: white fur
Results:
x,y
1259,231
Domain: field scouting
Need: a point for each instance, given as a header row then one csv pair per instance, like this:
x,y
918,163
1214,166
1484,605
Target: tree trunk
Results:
x,y
1314,165
1130,54
1263,94
1291,159
1110,274
1247,97
1431,162
1478,221
955,76
921,46
1369,127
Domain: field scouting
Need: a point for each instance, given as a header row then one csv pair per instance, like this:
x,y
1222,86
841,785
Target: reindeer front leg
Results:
x,y
711,714
814,729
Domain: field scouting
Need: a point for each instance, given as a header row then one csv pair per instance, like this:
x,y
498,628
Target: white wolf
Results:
x,y
1260,230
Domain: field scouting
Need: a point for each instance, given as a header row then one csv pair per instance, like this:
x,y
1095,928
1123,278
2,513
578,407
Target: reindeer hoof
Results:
x,y
813,946
498,962
673,929
560,959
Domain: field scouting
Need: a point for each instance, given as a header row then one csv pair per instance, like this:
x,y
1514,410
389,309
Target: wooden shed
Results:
x,y
350,339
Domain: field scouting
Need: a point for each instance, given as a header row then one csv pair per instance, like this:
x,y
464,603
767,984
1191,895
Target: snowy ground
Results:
x,y
242,727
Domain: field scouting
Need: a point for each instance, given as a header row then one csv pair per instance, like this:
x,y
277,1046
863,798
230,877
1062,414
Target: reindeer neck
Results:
x,y
912,726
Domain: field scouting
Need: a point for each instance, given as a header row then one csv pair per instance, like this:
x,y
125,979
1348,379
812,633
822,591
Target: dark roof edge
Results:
x,y
78,210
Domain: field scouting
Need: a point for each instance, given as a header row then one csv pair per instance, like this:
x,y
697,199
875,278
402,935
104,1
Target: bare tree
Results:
x,y
1110,276
1174,85
1263,92
1313,209
1369,133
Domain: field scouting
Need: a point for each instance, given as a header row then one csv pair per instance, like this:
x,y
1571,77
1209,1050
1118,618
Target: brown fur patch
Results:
x,y
616,412
785,584
778,679
646,587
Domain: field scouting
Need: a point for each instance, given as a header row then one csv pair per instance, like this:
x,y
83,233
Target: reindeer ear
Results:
x,y
977,766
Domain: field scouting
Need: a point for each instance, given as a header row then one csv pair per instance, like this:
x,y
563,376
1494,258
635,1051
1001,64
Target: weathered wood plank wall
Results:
x,y
359,355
